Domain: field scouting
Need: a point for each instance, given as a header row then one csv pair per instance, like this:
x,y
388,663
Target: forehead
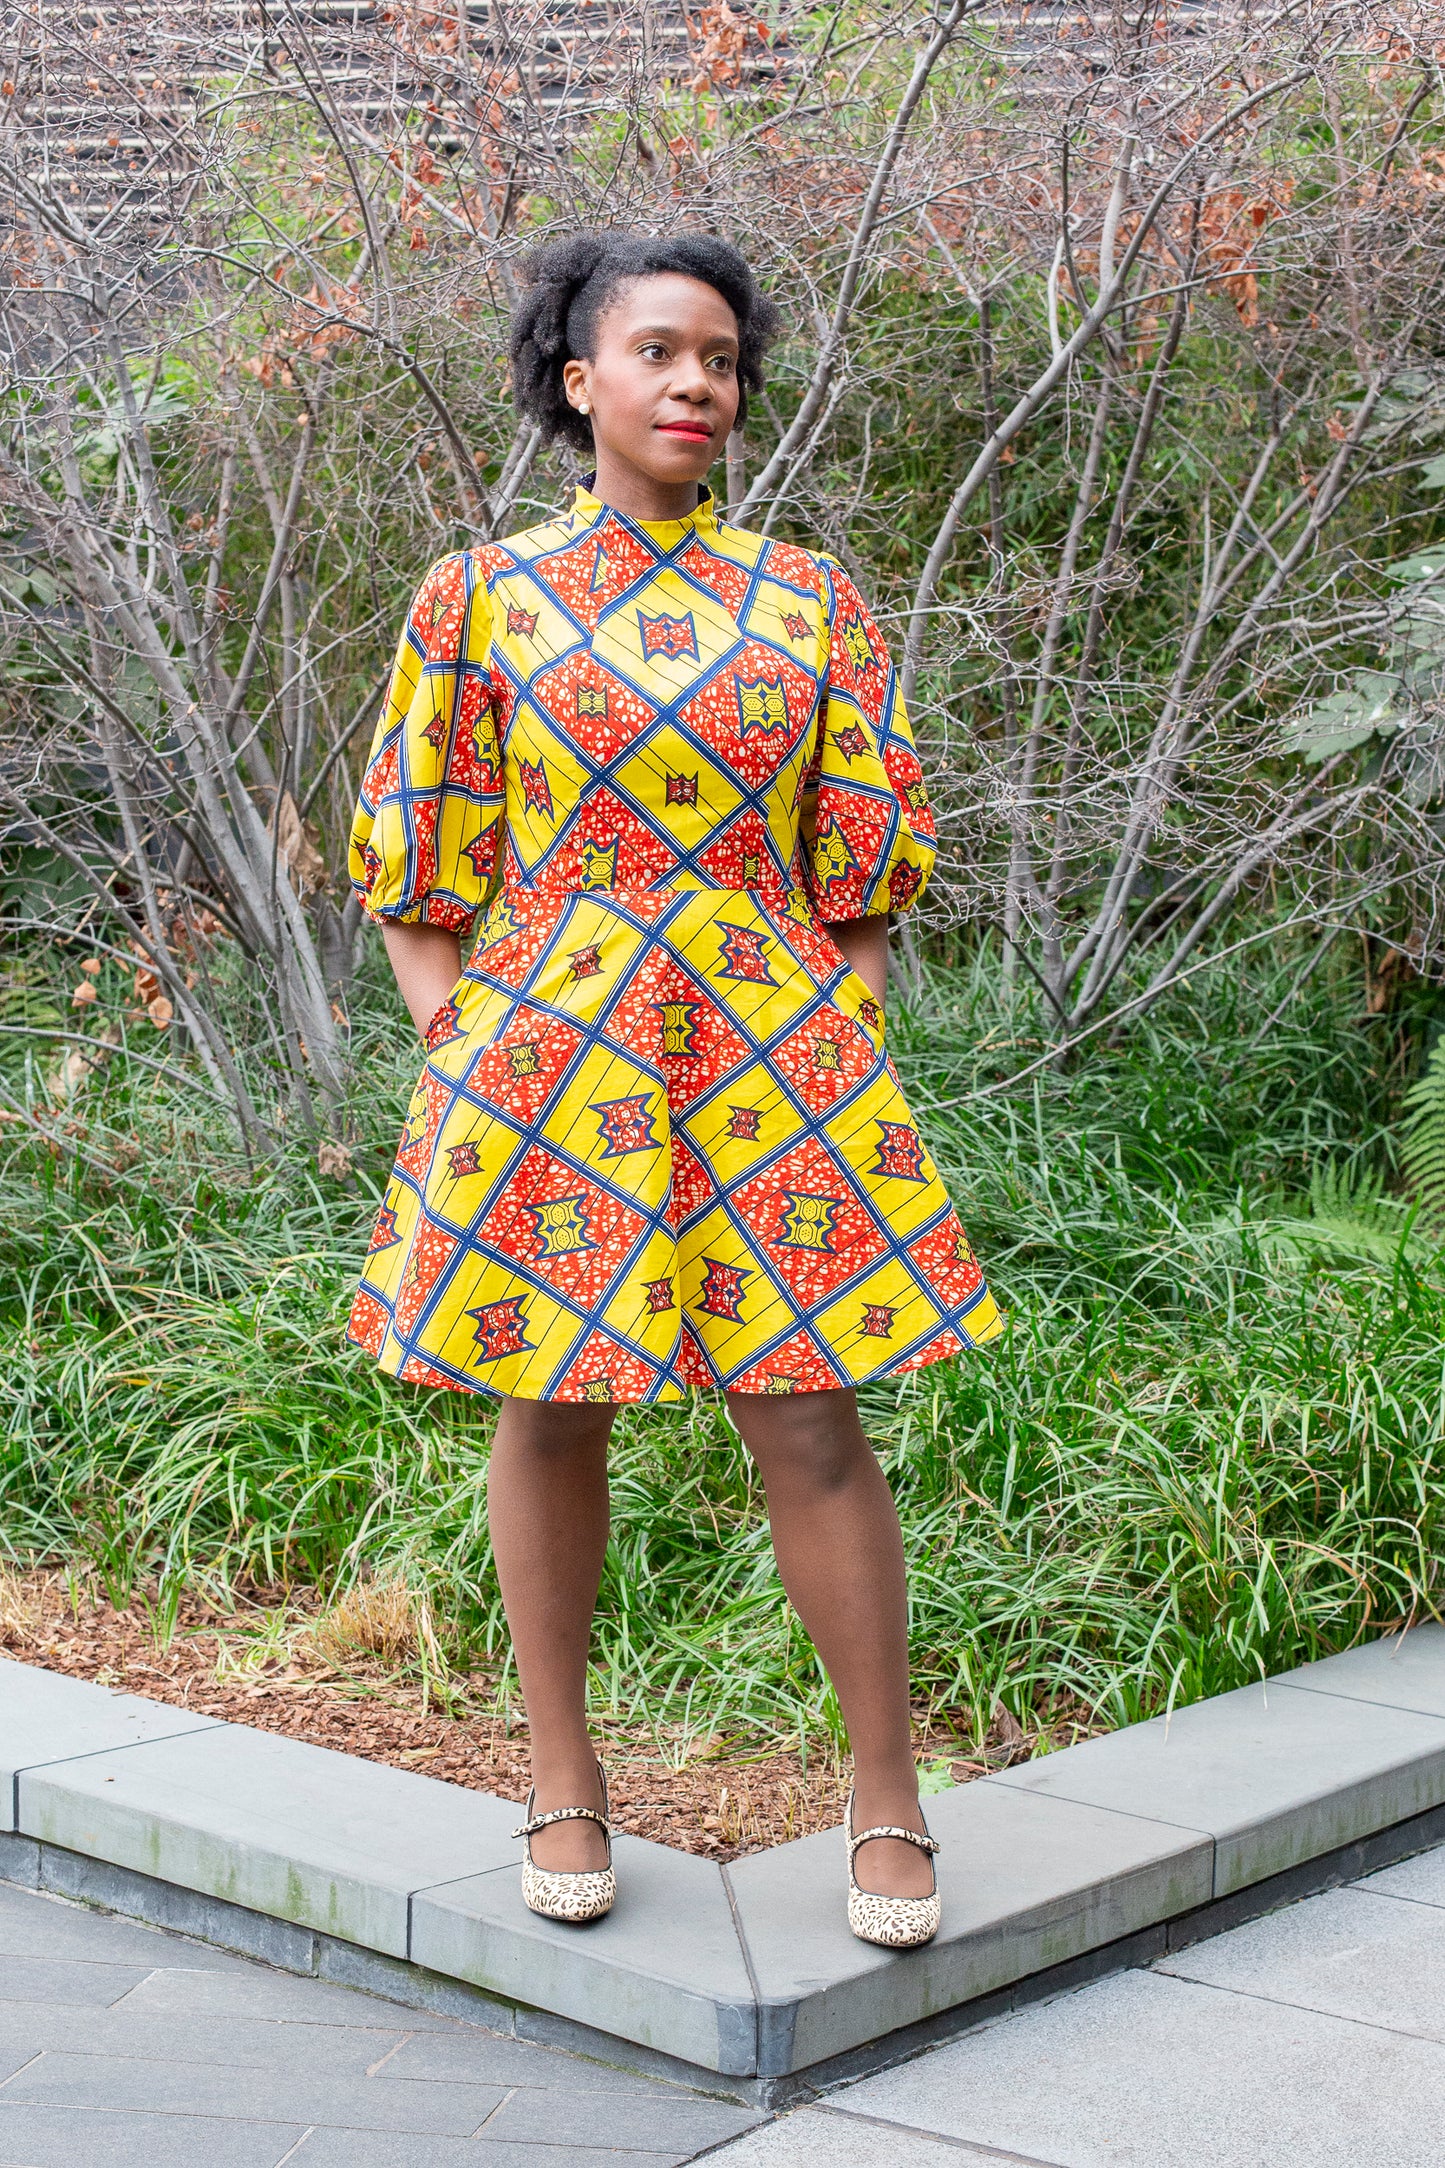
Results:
x,y
669,301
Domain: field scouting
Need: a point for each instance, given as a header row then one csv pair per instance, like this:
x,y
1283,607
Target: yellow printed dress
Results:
x,y
657,1143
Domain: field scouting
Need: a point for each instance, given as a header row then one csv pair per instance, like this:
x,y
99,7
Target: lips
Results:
x,y
692,432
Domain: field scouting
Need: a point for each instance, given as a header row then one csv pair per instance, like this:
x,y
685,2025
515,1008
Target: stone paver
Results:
x,y
323,2051
365,2149
62,1980
174,2087
1421,1880
682,2125
664,1968
50,1717
1314,2038
51,1932
822,2138
123,2046
295,1831
58,2138
1026,1883
1399,1671
1275,1774
1350,1953
1146,2071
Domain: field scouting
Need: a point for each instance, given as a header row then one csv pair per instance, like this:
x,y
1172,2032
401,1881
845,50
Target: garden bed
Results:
x,y
285,1666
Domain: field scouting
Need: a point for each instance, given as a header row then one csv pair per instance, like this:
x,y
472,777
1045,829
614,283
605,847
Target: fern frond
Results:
x,y
1353,1195
1422,1141
1351,1215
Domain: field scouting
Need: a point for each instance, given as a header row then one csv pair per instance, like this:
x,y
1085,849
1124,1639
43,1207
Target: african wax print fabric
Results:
x,y
658,1143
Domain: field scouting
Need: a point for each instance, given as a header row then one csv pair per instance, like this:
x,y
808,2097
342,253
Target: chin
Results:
x,y
689,464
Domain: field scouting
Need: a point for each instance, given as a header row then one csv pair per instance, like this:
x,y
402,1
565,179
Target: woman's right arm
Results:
x,y
430,812
427,961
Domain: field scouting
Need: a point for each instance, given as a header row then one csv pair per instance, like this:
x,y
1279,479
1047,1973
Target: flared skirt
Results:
x,y
658,1145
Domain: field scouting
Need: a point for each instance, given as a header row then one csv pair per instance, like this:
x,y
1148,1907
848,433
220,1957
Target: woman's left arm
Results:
x,y
864,942
871,834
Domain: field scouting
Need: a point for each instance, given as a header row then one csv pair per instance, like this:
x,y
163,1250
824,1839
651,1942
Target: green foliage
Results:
x,y
1423,1138
1208,1448
1401,700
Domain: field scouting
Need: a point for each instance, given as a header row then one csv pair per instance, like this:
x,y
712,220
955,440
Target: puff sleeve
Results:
x,y
428,819
871,833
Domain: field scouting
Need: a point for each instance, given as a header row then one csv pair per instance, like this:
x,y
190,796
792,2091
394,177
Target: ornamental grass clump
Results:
x,y
1210,1447
386,1617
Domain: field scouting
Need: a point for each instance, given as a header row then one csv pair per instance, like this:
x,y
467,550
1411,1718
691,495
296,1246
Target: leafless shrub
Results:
x,y
1114,359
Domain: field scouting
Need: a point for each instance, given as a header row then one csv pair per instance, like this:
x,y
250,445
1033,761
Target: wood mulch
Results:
x,y
287,1666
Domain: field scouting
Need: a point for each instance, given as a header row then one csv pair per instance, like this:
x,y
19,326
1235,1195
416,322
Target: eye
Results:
x,y
723,363
654,350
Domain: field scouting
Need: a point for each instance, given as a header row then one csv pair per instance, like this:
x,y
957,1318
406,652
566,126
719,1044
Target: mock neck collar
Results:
x,y
588,508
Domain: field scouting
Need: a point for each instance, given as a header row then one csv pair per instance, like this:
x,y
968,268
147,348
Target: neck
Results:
x,y
640,496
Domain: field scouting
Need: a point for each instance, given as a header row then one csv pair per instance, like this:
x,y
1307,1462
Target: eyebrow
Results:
x,y
670,331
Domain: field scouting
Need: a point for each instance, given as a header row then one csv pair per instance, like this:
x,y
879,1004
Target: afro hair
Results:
x,y
571,281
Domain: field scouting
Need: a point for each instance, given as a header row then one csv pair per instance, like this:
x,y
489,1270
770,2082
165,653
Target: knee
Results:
x,y
824,1464
809,1441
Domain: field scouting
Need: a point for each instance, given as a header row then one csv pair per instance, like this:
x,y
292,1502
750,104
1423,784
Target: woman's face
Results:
x,y
662,388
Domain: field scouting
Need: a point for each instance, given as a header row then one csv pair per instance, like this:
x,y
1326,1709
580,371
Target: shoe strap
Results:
x,y
888,1829
563,1814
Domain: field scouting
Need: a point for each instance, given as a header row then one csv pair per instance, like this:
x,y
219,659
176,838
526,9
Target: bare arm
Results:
x,y
864,942
427,961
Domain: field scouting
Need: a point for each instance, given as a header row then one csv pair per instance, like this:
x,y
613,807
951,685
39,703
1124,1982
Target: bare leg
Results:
x,y
840,1554
548,1508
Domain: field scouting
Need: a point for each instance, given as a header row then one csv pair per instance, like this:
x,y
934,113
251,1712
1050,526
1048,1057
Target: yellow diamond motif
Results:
x,y
808,1222
833,856
560,1225
679,1021
762,707
859,646
599,865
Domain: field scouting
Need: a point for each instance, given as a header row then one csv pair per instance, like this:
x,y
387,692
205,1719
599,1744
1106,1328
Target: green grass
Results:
x,y
1209,1446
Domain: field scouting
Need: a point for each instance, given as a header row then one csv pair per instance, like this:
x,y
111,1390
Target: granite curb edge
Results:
x,y
745,1980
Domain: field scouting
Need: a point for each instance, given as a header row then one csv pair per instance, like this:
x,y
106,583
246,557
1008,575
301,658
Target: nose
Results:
x,y
690,381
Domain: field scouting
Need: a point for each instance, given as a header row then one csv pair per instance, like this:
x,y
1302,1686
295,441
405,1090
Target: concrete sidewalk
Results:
x,y
1312,2038
122,2046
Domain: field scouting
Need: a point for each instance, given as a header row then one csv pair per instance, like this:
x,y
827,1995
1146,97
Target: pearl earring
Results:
x,y
584,406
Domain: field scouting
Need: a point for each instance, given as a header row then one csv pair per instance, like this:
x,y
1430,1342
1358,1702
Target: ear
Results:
x,y
576,382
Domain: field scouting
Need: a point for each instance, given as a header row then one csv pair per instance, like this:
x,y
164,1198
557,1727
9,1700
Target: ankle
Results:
x,y
566,1779
887,1796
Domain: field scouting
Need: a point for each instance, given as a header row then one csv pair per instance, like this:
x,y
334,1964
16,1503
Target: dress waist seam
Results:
x,y
512,889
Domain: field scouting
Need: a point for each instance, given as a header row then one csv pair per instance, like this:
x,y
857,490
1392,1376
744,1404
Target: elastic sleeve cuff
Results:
x,y
431,910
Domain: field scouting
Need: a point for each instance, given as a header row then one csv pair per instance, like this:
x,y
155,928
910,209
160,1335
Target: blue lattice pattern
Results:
x,y
657,1143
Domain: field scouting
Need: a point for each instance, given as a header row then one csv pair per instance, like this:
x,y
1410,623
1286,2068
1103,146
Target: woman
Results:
x,y
657,1143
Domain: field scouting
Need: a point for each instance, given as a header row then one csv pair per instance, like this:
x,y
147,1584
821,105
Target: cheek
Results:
x,y
622,394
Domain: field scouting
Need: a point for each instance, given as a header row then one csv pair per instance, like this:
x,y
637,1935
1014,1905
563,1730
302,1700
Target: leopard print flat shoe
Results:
x,y
895,1923
573,1895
